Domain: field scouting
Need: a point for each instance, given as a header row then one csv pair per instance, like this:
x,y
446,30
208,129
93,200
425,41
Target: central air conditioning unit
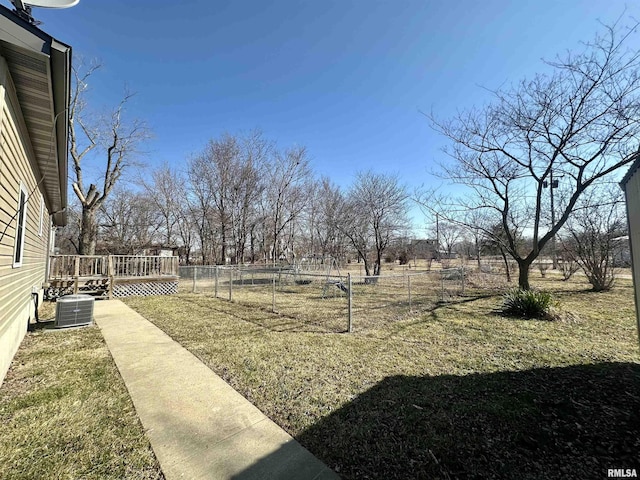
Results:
x,y
74,311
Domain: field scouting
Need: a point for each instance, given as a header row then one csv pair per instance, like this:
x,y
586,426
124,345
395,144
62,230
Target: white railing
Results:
x,y
143,266
118,266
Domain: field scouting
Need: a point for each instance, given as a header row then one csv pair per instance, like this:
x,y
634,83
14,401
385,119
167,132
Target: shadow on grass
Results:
x,y
42,325
572,293
248,282
570,422
276,322
429,315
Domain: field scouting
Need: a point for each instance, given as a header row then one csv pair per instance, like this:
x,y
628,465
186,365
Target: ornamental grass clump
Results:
x,y
527,304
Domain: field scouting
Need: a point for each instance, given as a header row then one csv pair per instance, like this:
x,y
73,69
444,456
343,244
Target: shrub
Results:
x,y
527,303
568,268
543,267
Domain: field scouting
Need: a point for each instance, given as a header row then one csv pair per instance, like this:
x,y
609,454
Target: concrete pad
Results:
x,y
198,426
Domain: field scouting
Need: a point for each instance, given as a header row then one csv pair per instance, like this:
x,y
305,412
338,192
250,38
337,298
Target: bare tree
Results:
x,y
374,213
247,189
449,235
328,236
165,190
67,236
186,232
201,208
227,183
285,198
128,223
475,224
575,126
221,156
109,136
595,228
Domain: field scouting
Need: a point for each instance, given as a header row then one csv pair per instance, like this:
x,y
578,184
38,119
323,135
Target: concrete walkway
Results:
x,y
199,427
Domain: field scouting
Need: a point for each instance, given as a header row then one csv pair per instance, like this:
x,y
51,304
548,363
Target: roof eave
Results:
x,y
21,33
61,73
634,166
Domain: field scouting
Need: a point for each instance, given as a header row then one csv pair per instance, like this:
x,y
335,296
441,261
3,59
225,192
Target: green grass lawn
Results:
x,y
456,391
66,414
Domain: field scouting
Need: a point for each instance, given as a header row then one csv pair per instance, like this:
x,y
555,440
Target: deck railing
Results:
x,y
143,266
118,266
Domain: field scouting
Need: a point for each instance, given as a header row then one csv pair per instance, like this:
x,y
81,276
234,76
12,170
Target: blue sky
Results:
x,y
347,78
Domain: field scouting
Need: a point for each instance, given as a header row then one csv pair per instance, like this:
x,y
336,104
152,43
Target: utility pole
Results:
x,y
438,236
552,184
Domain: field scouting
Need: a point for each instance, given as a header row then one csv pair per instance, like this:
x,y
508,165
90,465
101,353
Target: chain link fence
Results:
x,y
337,302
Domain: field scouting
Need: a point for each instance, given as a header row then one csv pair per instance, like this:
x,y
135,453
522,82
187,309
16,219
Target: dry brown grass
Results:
x,y
66,414
320,300
452,390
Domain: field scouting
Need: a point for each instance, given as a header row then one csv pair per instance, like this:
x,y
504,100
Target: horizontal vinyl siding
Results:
x,y
632,191
16,283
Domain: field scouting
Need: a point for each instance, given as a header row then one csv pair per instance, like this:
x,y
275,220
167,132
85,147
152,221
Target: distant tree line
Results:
x,y
243,199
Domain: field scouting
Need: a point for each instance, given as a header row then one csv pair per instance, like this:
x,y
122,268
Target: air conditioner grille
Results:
x,y
74,310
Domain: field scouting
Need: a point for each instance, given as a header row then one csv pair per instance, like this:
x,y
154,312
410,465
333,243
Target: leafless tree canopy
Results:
x,y
373,214
240,199
578,123
247,198
127,223
110,141
594,235
323,220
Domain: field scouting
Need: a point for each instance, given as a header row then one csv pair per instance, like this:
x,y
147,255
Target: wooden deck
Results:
x,y
111,275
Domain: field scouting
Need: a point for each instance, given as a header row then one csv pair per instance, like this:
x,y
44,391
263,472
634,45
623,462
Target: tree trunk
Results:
x,y
523,274
88,232
377,267
506,265
252,244
223,247
367,267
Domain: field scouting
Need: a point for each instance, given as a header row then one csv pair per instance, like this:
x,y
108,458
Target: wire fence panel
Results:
x,y
335,302
379,300
309,297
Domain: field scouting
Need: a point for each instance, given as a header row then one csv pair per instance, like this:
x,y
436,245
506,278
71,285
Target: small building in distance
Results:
x,y
161,251
424,249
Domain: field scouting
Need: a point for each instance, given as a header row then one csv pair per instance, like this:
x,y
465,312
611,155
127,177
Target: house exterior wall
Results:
x,y
632,193
18,170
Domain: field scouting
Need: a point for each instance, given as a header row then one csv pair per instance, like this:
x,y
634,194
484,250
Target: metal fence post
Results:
x,y
462,278
195,275
230,284
273,293
409,286
216,281
349,303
